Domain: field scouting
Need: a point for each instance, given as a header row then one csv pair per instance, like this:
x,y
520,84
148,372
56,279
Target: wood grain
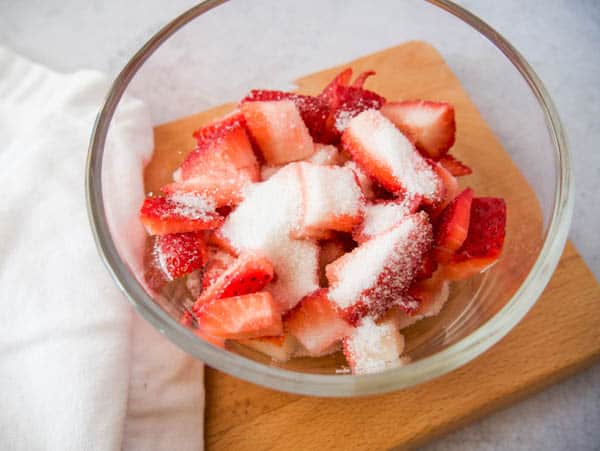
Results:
x,y
558,337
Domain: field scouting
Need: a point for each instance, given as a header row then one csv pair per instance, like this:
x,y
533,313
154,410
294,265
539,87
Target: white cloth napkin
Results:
x,y
79,370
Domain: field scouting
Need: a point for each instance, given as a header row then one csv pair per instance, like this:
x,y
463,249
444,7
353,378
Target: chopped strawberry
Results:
x,y
449,190
179,213
372,348
279,130
246,274
314,110
427,267
248,316
456,167
381,216
369,279
169,257
325,154
430,125
362,78
330,250
223,148
388,157
217,263
280,348
484,241
431,295
225,188
347,101
266,172
316,323
365,183
214,340
301,351
331,200
452,226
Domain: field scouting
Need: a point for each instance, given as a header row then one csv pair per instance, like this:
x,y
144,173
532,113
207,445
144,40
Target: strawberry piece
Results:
x,y
449,190
456,167
301,351
223,148
279,348
381,216
431,295
331,200
169,257
246,274
316,323
330,250
371,277
248,316
430,125
225,188
179,213
326,155
365,183
347,101
388,157
373,348
484,241
266,172
217,263
313,110
278,129
452,226
362,78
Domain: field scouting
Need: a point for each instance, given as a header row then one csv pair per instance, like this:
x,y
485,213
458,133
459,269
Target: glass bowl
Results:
x,y
209,56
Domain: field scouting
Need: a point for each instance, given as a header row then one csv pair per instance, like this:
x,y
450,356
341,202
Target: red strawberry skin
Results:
x,y
316,323
456,167
169,257
248,316
484,242
165,215
452,226
430,125
314,110
247,274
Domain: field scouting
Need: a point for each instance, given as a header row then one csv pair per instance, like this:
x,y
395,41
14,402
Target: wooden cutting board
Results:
x,y
559,336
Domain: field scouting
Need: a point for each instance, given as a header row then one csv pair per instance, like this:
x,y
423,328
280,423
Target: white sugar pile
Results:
x,y
193,206
373,348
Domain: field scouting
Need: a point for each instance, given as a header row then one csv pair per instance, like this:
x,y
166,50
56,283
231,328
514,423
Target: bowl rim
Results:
x,y
422,370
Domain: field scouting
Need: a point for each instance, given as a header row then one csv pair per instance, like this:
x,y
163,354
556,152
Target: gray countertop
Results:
x,y
561,40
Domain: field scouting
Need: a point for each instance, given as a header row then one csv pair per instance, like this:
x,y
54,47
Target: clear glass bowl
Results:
x,y
209,56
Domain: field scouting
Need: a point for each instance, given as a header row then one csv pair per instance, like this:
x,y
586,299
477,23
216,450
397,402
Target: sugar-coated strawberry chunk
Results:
x,y
373,348
431,295
279,130
330,250
387,156
169,257
179,213
223,148
325,154
313,110
379,271
452,226
218,261
331,200
364,181
248,316
430,125
449,189
316,323
266,172
484,241
280,348
381,216
456,167
248,273
346,101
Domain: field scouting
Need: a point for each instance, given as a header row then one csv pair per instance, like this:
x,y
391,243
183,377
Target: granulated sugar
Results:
x,y
193,206
324,155
386,144
365,183
373,348
329,192
381,216
383,267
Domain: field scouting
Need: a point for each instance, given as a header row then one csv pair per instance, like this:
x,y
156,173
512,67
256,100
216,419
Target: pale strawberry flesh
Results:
x,y
452,226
